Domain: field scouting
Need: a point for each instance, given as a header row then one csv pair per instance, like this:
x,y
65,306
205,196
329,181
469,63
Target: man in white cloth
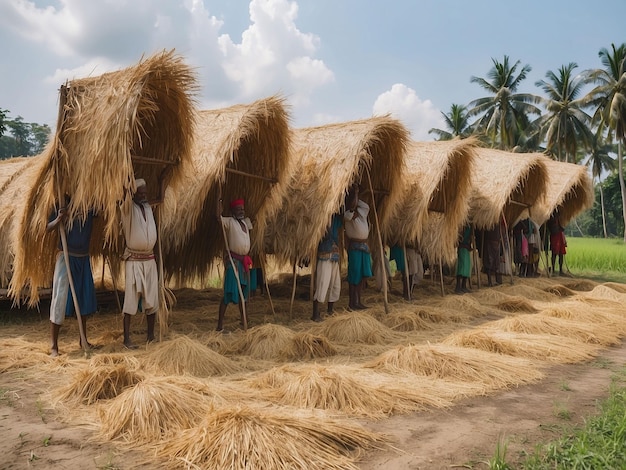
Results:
x,y
142,278
237,228
327,274
359,258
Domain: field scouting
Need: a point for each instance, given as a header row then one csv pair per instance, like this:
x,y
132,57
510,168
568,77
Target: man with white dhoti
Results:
x,y
142,278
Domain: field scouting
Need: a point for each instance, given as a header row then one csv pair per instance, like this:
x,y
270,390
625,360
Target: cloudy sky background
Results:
x,y
333,60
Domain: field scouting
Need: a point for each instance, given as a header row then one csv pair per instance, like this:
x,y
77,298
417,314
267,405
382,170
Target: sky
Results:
x,y
332,60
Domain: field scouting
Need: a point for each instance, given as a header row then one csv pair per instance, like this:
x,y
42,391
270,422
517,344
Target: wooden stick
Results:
x,y
267,286
61,199
163,311
441,277
475,257
406,272
313,264
380,244
293,288
243,173
117,297
151,161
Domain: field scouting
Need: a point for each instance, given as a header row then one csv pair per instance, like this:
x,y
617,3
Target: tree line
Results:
x,y
566,123
19,138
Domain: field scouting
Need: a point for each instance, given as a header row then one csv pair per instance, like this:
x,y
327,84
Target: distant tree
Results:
x,y
600,161
566,124
503,116
23,139
39,136
609,100
457,123
3,117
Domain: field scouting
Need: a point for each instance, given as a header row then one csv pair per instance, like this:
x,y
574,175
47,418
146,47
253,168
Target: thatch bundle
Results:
x,y
255,438
345,389
505,183
16,176
245,150
113,128
356,327
326,161
436,181
305,346
151,410
532,346
441,361
569,190
91,384
183,355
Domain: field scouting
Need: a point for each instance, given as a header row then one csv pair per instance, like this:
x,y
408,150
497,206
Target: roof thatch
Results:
x,y
436,187
245,149
569,189
505,183
112,128
15,177
326,161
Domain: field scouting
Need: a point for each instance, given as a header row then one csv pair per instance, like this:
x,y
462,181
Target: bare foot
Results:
x,y
54,353
129,345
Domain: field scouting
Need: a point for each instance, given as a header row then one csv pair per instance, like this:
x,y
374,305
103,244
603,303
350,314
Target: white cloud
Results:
x,y
403,103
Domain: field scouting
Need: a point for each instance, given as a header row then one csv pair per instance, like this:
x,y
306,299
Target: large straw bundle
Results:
x,y
356,327
569,190
112,128
263,342
326,161
436,180
304,346
494,371
505,183
344,389
16,176
186,356
244,149
254,438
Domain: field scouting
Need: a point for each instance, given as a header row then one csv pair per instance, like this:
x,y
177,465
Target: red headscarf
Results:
x,y
236,202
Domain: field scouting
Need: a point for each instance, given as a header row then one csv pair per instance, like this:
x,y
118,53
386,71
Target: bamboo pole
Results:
x,y
293,288
475,257
163,312
267,287
406,272
506,252
380,243
117,298
441,277
61,200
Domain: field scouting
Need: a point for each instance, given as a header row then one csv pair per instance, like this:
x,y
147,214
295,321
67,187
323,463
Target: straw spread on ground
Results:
x,y
436,188
505,183
572,310
305,346
243,149
150,411
560,290
108,124
92,384
465,304
263,438
327,160
356,327
534,292
621,288
183,355
18,353
262,342
493,371
543,347
405,320
516,303
595,333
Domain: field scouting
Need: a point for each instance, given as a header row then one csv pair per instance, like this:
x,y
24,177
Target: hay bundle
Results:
x,y
516,304
405,320
494,371
263,342
594,333
149,411
98,383
533,293
463,303
253,438
357,327
602,292
114,359
582,313
306,346
183,355
560,290
437,315
342,389
18,353
109,126
532,346
581,285
621,288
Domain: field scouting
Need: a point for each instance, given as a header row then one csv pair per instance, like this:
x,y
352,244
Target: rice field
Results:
x,y
597,258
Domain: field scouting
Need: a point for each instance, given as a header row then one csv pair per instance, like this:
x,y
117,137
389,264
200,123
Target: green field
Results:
x,y
596,258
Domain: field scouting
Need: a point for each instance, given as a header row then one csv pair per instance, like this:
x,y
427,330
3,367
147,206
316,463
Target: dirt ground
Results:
x,y
32,435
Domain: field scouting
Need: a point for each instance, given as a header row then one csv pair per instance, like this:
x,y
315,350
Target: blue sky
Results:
x,y
333,60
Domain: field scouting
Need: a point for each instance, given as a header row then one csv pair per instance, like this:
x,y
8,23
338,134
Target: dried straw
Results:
x,y
516,304
560,290
267,342
254,438
465,304
305,346
357,327
405,320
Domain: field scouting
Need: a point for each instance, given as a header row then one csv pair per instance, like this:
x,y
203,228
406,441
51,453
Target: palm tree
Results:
x,y
565,125
600,161
609,98
504,115
457,123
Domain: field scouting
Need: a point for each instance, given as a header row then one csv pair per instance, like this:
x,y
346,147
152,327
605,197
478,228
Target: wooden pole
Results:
x,y
293,288
506,252
475,257
117,298
406,272
313,264
380,243
163,311
61,200
267,287
441,276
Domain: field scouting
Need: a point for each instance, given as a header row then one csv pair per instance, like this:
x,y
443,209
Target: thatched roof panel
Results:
x,y
244,149
104,122
326,161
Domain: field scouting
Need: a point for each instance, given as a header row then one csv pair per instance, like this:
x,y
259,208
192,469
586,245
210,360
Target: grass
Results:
x,y
599,259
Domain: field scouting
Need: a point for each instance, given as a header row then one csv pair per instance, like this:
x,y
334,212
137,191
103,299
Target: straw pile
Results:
x,y
560,290
268,341
491,370
18,353
108,125
405,320
305,346
150,411
582,313
183,355
532,346
356,327
465,304
254,438
516,304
